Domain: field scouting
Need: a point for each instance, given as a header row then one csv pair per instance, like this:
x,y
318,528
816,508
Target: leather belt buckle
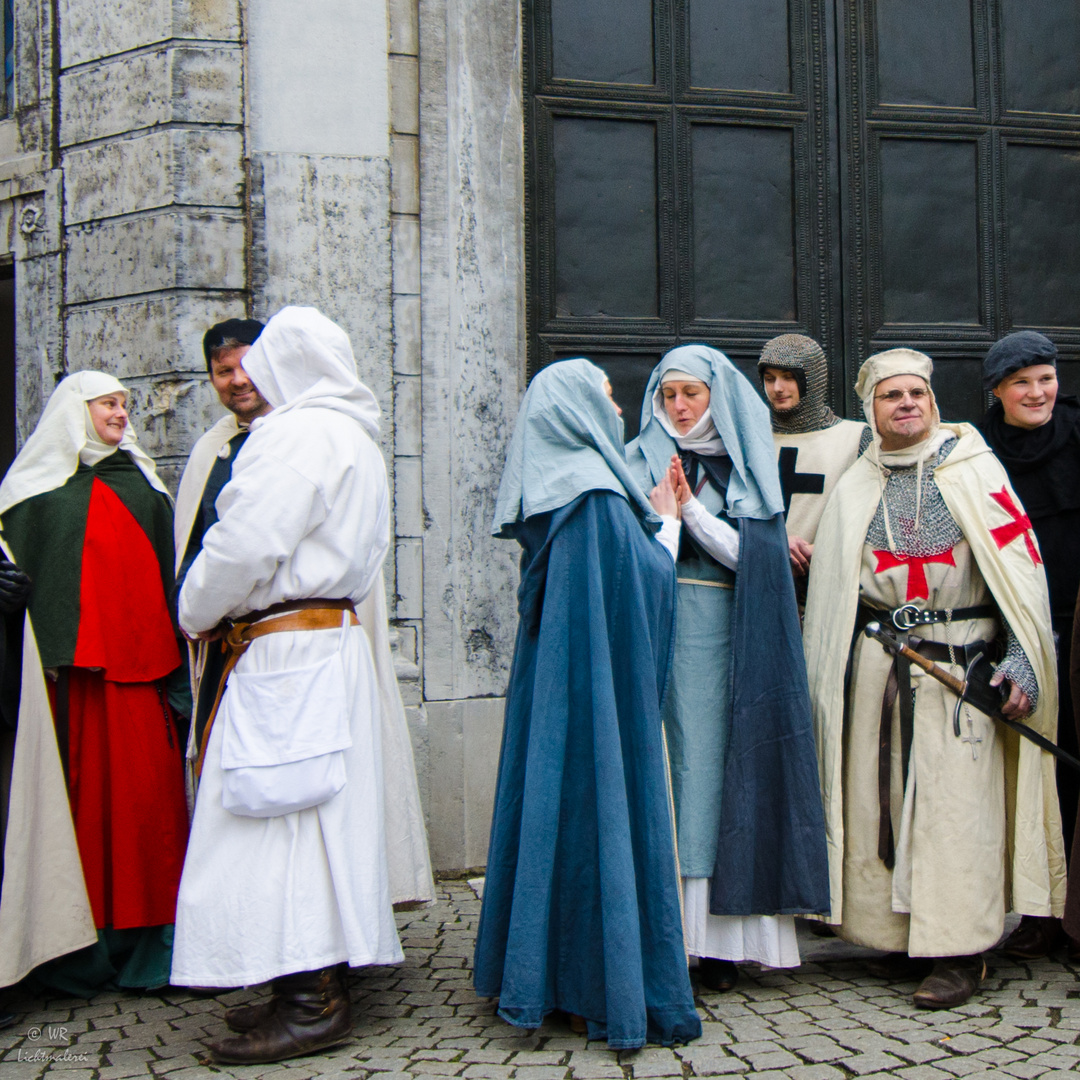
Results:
x,y
907,617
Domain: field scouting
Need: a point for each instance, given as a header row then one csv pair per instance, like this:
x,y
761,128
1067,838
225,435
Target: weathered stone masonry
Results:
x,y
170,163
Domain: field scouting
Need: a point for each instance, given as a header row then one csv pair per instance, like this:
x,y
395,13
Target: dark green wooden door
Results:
x,y
869,172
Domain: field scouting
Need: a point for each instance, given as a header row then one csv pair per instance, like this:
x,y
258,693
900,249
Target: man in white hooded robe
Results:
x,y
286,876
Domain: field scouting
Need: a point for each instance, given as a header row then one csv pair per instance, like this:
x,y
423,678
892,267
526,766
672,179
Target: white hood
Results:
x,y
302,360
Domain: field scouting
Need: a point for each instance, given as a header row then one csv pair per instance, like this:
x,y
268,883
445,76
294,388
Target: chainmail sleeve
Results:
x,y
1016,667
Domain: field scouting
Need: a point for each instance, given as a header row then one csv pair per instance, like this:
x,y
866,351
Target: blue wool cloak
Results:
x,y
581,905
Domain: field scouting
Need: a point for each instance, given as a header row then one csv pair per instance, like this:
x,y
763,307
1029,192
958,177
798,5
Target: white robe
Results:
x,y
306,514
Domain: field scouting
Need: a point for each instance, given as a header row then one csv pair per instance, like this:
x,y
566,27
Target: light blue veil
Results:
x,y
741,419
568,439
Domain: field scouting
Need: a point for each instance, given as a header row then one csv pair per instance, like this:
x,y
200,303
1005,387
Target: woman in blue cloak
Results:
x,y
581,902
751,834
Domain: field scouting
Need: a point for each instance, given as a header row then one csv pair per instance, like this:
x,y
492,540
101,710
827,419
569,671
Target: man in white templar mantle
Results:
x,y
298,849
939,819
814,446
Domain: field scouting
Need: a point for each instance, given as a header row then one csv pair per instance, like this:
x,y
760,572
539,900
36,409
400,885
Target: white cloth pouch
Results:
x,y
285,734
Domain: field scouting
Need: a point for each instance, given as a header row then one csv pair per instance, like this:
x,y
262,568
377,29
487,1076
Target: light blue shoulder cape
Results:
x,y
742,420
568,440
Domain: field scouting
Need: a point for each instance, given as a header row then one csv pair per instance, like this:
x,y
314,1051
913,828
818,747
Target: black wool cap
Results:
x,y
1025,348
245,331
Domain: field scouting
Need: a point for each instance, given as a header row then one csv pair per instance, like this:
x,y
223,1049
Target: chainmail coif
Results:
x,y
805,358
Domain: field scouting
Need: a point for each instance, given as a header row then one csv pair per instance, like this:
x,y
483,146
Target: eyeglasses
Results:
x,y
894,397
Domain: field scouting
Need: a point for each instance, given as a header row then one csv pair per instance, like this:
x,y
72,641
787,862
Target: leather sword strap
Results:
x,y
898,690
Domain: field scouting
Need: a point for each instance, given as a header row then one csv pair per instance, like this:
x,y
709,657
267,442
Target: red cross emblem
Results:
x,y
1019,526
917,587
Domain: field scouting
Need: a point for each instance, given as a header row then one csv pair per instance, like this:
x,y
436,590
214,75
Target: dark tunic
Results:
x,y
581,903
1044,467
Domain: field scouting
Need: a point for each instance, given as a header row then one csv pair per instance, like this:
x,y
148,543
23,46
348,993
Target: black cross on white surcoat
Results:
x,y
797,483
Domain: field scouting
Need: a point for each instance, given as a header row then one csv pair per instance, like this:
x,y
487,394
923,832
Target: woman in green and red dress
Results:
x,y
86,516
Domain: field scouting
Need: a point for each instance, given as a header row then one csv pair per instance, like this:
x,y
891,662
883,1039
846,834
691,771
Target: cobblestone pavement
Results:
x,y
825,1021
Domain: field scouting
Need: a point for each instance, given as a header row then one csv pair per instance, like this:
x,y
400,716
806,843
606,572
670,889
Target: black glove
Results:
x,y
14,588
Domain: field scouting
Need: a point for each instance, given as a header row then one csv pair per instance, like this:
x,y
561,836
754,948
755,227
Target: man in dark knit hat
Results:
x,y
208,470
814,446
1035,432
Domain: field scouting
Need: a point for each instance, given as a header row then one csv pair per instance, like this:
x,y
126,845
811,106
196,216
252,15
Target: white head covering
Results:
x,y
875,370
702,438
65,435
302,360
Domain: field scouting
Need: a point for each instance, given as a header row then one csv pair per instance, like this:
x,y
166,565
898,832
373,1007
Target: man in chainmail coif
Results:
x,y
925,535
814,446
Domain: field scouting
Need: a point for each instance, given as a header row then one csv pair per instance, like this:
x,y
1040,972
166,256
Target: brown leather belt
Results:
x,y
289,615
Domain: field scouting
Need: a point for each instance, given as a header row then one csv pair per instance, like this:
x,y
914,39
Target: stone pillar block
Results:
x,y
190,166
182,249
95,30
458,784
190,84
409,566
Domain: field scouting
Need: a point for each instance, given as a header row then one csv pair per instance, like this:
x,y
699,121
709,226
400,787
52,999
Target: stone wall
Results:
x,y
172,163
150,146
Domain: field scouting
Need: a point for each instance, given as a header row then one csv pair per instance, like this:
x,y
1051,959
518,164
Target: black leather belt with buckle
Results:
x,y
908,616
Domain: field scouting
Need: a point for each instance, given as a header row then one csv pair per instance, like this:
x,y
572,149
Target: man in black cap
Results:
x,y
208,470
1036,435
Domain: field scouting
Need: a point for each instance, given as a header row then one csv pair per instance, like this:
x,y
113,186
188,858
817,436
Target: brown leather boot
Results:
x,y
1036,936
953,980
899,967
249,1017
312,1013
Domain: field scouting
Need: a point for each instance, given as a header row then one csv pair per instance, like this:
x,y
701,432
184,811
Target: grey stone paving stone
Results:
x,y
541,1072
439,1068
921,1072
489,1072
383,1062
919,1053
816,1048
967,1044
1023,1070
713,1061
816,1072
119,1072
874,1061
1056,1034
538,1057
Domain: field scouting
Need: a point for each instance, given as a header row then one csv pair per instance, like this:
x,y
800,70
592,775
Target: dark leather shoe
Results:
x,y
249,1017
719,975
953,980
1074,949
312,1013
1036,936
899,967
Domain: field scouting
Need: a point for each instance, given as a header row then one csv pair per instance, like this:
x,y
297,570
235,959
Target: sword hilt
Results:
x,y
895,646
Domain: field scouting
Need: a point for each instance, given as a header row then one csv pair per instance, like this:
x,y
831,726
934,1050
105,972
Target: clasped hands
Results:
x,y
673,492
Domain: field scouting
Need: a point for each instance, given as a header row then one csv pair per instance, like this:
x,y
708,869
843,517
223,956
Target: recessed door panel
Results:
x,y
606,218
743,222
929,231
735,45
1043,188
603,41
1041,55
925,53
